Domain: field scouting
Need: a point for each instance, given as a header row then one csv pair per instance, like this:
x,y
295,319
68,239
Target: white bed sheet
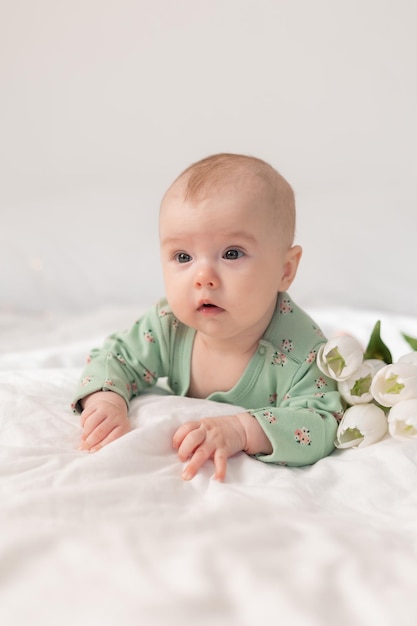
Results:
x,y
117,537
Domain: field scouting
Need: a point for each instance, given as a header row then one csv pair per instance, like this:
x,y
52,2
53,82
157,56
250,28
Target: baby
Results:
x,y
227,330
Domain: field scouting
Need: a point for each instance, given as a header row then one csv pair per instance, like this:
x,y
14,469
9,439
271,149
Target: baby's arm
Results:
x,y
103,419
128,363
218,438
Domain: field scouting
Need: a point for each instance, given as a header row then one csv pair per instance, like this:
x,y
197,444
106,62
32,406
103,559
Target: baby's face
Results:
x,y
222,259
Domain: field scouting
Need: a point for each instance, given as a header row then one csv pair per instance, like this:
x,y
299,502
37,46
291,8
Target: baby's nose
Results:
x,y
206,277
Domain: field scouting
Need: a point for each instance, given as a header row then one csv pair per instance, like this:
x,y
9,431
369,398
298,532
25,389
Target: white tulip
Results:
x,y
340,357
361,425
402,420
395,383
356,388
410,358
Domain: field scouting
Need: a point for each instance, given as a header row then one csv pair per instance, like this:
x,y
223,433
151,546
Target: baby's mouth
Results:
x,y
208,307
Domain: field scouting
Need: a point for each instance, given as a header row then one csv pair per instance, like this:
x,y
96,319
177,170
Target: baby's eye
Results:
x,y
182,257
233,254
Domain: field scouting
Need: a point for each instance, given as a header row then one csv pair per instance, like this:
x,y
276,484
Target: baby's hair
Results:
x,y
214,171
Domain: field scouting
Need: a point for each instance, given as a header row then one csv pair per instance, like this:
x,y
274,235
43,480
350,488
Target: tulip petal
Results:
x,y
361,425
410,358
349,438
395,383
340,357
402,420
356,388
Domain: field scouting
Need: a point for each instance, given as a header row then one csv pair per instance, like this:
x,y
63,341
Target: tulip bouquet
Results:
x,y
381,396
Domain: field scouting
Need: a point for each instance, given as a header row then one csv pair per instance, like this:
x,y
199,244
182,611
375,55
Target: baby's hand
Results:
x,y
218,438
103,420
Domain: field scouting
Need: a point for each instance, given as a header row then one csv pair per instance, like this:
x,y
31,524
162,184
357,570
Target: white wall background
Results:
x,y
104,102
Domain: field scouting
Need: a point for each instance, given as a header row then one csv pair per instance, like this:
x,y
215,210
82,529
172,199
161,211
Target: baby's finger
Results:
x,y
96,435
200,456
93,421
191,442
182,432
85,414
220,464
113,434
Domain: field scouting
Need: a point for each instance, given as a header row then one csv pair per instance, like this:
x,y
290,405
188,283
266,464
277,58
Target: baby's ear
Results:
x,y
292,259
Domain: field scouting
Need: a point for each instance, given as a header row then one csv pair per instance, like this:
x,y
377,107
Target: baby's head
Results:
x,y
243,175
226,232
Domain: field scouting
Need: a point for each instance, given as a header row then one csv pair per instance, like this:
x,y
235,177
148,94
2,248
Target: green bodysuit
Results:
x,y
295,404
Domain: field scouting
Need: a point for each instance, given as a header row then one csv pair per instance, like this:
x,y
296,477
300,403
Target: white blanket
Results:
x,y
117,538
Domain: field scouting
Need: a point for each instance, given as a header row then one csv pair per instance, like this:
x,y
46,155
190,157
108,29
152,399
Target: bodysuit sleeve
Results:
x,y
130,361
302,427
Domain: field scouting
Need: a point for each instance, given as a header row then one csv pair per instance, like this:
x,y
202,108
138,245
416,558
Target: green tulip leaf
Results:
x,y
376,348
410,340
